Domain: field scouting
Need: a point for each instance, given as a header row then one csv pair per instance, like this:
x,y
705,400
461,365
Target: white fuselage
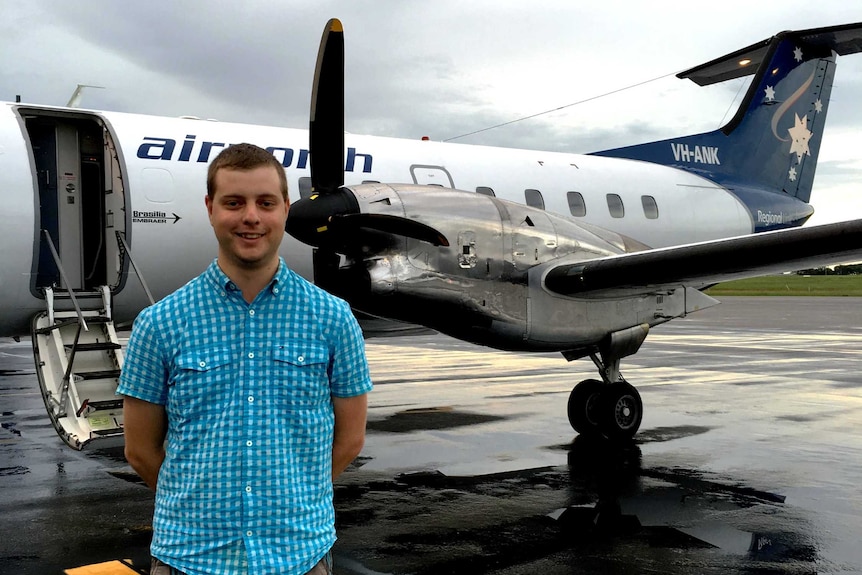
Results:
x,y
156,184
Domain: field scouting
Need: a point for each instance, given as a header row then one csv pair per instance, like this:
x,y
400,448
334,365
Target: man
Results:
x,y
245,394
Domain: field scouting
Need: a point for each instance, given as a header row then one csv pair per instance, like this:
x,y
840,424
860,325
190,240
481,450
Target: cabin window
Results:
x,y
485,191
615,206
370,182
650,207
305,187
577,207
534,199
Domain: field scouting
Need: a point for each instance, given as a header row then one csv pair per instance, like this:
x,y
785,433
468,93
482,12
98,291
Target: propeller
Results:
x,y
331,218
326,125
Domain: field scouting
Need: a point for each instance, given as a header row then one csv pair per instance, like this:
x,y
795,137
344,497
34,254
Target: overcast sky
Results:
x,y
421,68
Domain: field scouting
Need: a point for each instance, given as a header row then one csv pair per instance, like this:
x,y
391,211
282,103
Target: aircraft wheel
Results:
x,y
583,406
620,411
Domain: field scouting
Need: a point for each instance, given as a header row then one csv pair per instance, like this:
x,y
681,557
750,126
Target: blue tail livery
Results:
x,y
767,154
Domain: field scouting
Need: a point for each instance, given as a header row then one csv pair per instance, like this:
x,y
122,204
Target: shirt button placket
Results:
x,y
251,377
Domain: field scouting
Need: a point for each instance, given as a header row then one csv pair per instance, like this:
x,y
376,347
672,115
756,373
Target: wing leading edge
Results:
x,y
702,264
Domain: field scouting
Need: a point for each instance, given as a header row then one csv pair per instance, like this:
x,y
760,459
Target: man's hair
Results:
x,y
244,157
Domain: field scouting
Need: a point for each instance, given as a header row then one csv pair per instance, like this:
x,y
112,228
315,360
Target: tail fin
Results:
x,y
772,143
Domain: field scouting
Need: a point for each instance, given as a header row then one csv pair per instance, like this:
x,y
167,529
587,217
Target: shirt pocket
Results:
x,y
202,380
301,371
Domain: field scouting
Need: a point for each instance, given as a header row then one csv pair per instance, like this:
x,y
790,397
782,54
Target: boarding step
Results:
x,y
79,294
65,303
90,408
66,322
101,374
95,346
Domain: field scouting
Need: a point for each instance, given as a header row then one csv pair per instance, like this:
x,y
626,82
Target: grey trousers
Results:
x,y
323,567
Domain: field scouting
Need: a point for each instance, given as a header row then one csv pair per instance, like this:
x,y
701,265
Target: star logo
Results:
x,y
818,106
792,174
800,134
797,54
770,93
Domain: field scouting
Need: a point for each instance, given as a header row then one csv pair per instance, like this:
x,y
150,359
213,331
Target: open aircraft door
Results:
x,y
80,253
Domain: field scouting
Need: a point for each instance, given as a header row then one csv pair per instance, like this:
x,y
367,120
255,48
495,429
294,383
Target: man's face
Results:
x,y
248,214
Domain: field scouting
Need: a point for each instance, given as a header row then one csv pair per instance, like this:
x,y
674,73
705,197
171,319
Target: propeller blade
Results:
x,y
350,224
326,125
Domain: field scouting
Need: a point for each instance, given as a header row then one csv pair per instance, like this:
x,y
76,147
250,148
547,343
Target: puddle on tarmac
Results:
x,y
444,417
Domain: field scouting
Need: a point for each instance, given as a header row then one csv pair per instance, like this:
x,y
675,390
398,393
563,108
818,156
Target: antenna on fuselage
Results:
x,y
75,100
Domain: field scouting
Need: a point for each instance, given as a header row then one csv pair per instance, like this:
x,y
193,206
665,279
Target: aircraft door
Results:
x,y
81,187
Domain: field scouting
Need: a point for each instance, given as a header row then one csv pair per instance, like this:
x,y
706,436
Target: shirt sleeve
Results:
x,y
350,374
145,370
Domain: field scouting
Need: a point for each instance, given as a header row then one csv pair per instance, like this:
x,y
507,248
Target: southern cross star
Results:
x,y
800,135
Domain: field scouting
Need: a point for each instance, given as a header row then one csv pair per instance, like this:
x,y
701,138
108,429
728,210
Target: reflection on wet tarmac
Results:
x,y
428,418
599,513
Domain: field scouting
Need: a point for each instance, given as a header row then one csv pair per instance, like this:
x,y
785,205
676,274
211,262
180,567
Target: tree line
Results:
x,y
843,270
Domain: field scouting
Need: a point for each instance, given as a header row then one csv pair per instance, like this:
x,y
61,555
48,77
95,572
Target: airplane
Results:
x,y
520,250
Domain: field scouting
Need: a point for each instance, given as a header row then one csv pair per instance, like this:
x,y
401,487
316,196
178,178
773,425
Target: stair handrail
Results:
x,y
121,238
65,279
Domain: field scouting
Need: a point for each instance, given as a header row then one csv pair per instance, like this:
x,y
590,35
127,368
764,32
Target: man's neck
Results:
x,y
250,281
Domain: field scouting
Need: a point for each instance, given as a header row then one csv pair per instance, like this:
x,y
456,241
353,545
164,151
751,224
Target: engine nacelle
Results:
x,y
485,286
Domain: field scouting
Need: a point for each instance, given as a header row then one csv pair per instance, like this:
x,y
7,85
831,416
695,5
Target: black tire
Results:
x,y
620,411
584,402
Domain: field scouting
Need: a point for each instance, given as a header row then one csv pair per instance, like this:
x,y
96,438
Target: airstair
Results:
x,y
78,362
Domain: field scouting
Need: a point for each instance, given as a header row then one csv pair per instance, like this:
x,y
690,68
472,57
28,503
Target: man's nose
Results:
x,y
251,214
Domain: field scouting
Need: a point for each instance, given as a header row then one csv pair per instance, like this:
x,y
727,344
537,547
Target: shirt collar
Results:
x,y
276,287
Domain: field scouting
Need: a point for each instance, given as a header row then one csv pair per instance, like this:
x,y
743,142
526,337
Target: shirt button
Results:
x,y
248,533
248,443
275,290
248,488
223,294
251,355
251,312
203,364
300,359
250,398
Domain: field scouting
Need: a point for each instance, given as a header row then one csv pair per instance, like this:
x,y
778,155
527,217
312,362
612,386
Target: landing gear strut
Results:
x,y
611,407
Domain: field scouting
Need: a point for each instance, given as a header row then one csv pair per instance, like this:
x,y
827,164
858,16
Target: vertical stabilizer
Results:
x,y
771,145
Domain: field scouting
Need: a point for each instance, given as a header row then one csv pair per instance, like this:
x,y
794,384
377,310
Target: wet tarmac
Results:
x,y
749,460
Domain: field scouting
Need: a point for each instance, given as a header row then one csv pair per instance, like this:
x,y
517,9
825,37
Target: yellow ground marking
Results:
x,y
107,568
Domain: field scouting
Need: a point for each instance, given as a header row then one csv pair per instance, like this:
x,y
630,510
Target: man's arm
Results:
x,y
145,426
350,413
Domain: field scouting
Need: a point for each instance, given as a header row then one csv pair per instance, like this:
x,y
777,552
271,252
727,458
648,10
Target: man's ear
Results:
x,y
209,203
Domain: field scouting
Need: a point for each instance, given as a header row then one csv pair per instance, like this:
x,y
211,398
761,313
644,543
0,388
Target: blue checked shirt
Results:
x,y
246,484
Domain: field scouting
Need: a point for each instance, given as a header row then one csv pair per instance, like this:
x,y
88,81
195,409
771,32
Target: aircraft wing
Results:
x,y
707,263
